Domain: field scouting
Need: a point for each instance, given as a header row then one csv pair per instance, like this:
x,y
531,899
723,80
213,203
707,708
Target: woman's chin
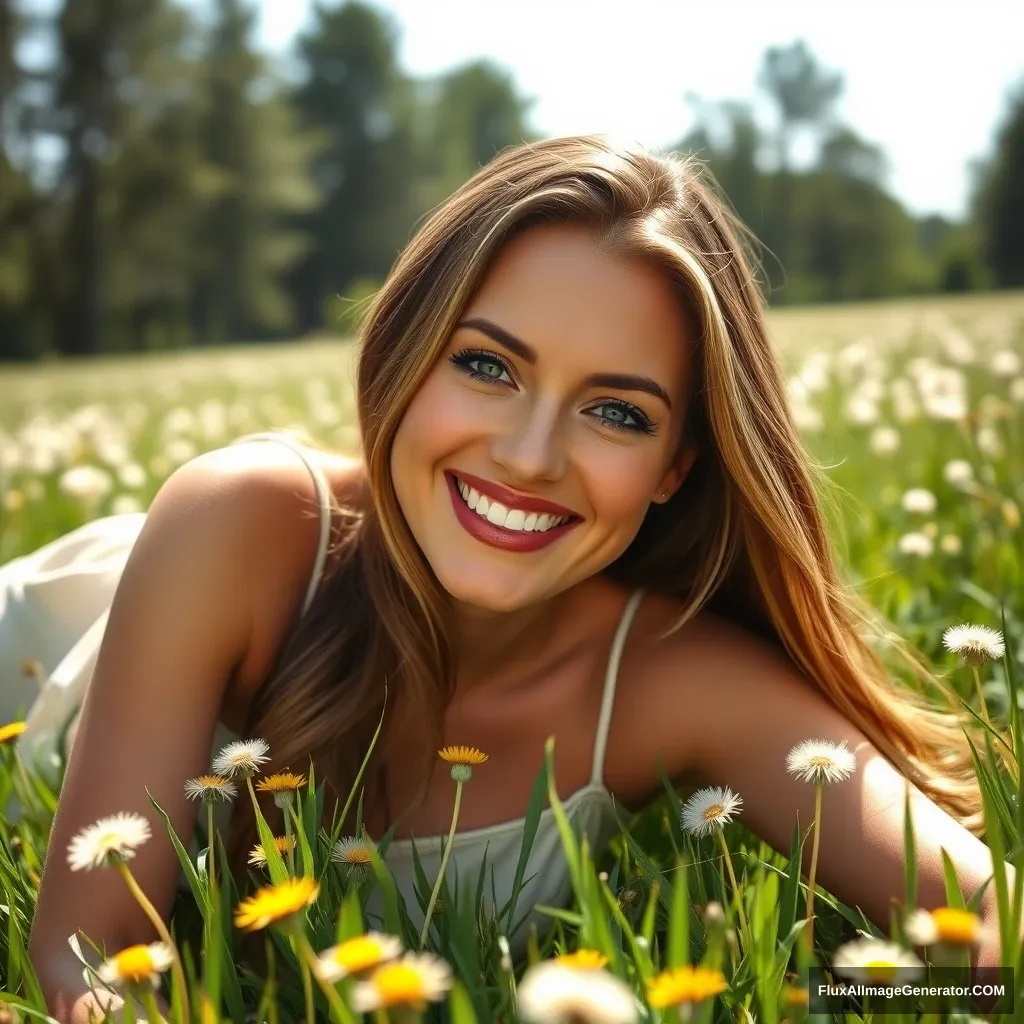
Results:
x,y
490,591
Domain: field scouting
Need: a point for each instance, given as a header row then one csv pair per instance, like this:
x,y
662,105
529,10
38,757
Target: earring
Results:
x,y
664,495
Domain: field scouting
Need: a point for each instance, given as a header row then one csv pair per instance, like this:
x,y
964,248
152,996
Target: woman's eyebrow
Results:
x,y
620,381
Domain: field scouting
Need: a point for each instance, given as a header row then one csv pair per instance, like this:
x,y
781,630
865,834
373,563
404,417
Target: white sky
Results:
x,y
927,79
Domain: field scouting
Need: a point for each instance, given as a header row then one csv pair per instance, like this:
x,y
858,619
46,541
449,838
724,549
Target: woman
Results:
x,y
582,509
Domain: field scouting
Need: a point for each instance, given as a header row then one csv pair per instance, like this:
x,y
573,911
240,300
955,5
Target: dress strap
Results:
x,y
323,493
610,679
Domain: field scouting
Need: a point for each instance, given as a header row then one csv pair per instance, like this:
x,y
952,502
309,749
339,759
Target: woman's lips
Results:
x,y
497,536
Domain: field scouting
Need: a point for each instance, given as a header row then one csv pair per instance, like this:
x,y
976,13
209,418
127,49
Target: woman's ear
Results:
x,y
676,474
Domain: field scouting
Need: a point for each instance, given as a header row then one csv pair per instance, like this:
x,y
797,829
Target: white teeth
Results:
x,y
509,518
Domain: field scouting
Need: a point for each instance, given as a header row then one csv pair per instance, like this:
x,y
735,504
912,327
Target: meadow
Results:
x,y
916,411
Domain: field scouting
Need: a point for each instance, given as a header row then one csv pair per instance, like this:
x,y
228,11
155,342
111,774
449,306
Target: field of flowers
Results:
x,y
916,410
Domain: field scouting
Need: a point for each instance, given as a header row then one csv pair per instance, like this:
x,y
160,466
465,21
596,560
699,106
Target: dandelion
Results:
x,y
708,811
821,763
947,926
462,759
88,483
557,993
871,960
884,440
958,472
110,841
11,731
916,543
241,759
412,981
684,986
357,955
583,959
919,500
355,857
975,645
284,845
210,789
1005,363
137,965
281,905
283,785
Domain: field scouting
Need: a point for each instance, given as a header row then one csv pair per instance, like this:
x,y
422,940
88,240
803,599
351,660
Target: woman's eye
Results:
x,y
623,417
481,366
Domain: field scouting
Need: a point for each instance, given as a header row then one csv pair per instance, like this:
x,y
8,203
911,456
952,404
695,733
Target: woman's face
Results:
x,y
566,399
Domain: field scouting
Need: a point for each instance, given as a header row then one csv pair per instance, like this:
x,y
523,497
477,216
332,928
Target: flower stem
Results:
x,y
444,864
814,867
209,853
289,843
338,1007
158,923
148,999
744,927
981,695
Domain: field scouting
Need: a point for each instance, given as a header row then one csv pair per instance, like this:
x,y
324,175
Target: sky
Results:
x,y
928,80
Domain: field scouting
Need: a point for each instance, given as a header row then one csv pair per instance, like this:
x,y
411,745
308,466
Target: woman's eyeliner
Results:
x,y
465,359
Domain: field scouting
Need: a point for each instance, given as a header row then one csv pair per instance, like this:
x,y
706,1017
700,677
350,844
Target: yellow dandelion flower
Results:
x,y
462,759
794,995
210,788
582,959
362,953
284,844
12,731
949,925
281,782
276,904
684,985
137,965
413,981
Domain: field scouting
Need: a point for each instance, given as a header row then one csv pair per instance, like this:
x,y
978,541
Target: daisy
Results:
x,y
821,762
552,992
11,731
283,785
975,644
582,959
413,981
871,960
276,904
284,844
708,810
947,925
684,984
137,965
241,759
210,788
109,841
362,953
462,759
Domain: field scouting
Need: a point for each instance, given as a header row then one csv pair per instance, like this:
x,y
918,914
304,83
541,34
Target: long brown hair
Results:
x,y
744,536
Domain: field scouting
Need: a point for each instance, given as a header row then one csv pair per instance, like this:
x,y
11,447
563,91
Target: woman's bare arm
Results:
x,y
180,624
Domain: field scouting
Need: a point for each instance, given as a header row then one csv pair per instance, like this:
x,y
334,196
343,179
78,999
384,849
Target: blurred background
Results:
x,y
180,173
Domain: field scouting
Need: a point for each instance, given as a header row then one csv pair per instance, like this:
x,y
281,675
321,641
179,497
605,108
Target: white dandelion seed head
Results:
x,y
916,543
241,758
709,809
210,788
975,644
350,850
869,959
551,992
919,500
821,762
109,841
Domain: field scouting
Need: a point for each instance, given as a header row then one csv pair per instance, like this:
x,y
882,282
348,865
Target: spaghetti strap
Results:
x,y
610,679
323,492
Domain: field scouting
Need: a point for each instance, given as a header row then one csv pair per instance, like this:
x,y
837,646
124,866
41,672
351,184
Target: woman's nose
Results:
x,y
531,446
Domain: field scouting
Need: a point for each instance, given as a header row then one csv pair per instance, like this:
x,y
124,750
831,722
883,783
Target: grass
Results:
x,y
891,398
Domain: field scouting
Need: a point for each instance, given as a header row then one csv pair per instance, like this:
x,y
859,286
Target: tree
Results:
x,y
998,200
845,153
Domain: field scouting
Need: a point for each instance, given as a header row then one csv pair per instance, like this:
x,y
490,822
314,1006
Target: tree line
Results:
x,y
162,185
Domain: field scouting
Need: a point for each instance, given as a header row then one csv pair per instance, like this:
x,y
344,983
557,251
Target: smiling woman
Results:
x,y
580,478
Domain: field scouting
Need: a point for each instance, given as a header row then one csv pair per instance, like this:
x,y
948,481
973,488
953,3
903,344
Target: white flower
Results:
x,y
975,644
131,475
709,809
919,499
884,440
989,441
126,504
110,841
948,925
1005,363
958,472
210,788
352,851
241,758
821,762
871,960
89,483
137,965
413,980
553,993
356,955
915,543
